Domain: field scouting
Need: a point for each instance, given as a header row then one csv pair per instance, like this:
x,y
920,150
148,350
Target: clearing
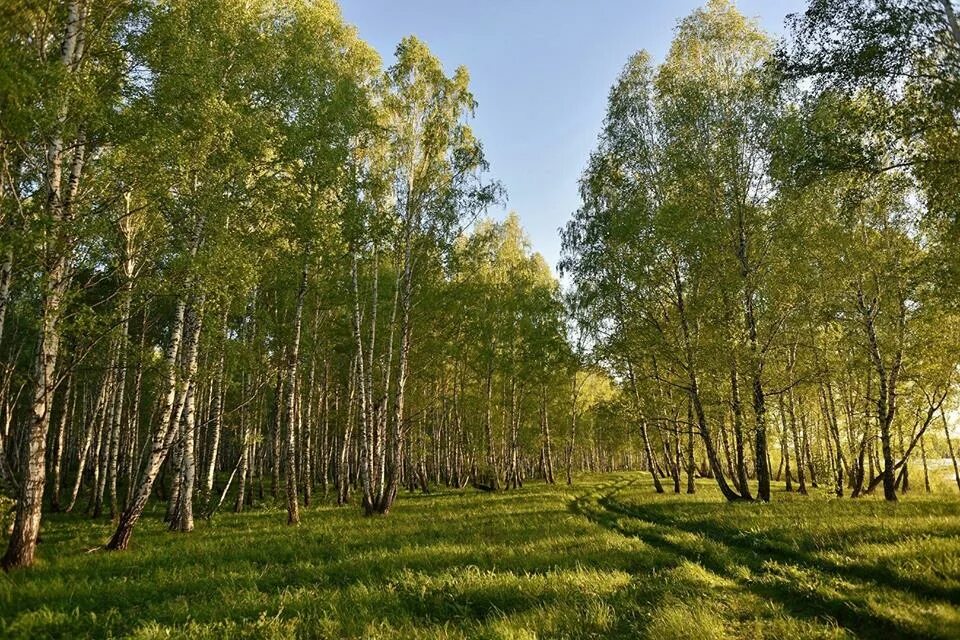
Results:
x,y
604,558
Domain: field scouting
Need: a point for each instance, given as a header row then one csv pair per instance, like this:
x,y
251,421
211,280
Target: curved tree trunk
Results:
x,y
694,394
161,439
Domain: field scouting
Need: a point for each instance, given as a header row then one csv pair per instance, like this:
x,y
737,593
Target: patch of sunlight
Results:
x,y
932,619
680,620
693,573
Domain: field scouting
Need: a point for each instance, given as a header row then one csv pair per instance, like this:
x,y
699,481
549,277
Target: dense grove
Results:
x,y
246,263
766,255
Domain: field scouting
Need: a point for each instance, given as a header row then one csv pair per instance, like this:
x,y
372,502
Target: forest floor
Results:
x,y
604,558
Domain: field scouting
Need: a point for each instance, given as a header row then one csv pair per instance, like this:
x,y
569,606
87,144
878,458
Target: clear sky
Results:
x,y
540,71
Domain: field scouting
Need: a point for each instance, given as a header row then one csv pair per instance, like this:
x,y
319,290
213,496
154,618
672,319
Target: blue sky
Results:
x,y
540,71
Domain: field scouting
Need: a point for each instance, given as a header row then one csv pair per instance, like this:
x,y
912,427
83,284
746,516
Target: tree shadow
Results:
x,y
722,560
751,543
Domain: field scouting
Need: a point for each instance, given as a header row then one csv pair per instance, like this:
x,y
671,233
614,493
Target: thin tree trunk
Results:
x,y
797,446
830,414
244,458
738,440
183,519
58,444
278,400
133,420
223,494
162,435
887,382
545,432
293,507
217,418
694,393
6,278
953,456
691,466
571,440
90,433
784,445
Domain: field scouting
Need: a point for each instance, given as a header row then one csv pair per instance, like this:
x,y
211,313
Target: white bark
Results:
x,y
293,508
183,518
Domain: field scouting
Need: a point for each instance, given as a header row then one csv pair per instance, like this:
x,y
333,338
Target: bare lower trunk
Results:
x,y
797,444
183,519
223,494
117,417
58,249
306,426
276,439
693,392
492,468
926,469
886,400
547,445
760,446
397,427
360,396
571,440
104,433
84,453
244,466
830,414
513,471
133,420
293,508
784,445
161,438
58,444
6,277
26,524
691,466
953,456
343,462
738,439
217,419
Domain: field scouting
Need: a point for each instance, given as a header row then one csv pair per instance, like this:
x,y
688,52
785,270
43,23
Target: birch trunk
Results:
x,y
276,436
547,445
183,518
58,444
160,440
694,393
953,456
887,386
293,507
59,206
396,439
217,419
797,443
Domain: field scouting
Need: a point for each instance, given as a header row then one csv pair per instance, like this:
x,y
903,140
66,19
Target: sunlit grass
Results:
x,y
606,558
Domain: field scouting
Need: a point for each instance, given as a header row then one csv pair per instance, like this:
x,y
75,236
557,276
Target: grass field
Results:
x,y
605,558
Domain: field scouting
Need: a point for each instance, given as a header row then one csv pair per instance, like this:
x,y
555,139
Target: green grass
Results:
x,y
606,558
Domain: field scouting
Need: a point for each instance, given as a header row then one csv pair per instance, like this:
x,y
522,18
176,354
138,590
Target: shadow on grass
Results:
x,y
747,542
722,558
500,555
